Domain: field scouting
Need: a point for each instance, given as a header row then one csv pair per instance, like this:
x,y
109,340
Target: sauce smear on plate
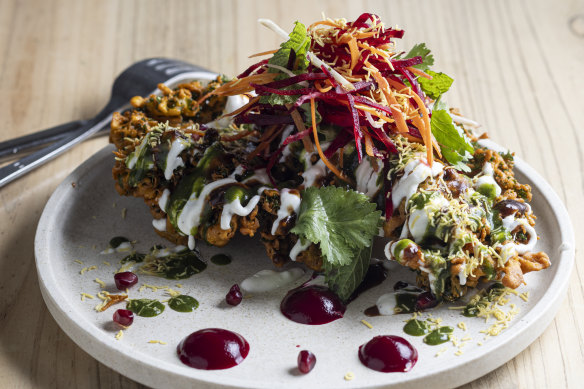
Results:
x,y
388,354
313,305
213,349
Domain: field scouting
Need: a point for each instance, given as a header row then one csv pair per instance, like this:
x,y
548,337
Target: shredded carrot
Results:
x,y
419,72
393,104
368,145
427,129
322,157
321,88
373,111
323,22
240,86
354,52
113,299
300,125
362,35
380,53
244,108
262,53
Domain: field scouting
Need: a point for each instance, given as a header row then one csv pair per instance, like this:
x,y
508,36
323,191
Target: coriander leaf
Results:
x,y
435,87
420,50
343,280
454,145
339,220
299,42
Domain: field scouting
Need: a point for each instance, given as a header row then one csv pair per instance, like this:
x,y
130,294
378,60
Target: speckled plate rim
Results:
x,y
158,373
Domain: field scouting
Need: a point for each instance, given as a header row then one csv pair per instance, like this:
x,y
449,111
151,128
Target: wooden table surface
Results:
x,y
518,68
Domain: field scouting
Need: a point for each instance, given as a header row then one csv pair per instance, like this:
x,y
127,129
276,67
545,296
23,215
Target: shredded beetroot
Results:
x,y
296,137
406,62
265,90
296,79
356,128
252,68
413,82
262,119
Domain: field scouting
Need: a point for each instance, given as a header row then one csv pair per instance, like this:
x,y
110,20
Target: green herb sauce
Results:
x,y
134,257
183,303
176,266
438,336
117,241
145,307
416,327
221,259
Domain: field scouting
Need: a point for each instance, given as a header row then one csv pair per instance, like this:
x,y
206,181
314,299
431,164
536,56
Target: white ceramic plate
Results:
x,y
79,220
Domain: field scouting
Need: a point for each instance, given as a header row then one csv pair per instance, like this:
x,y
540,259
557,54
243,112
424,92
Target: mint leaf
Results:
x,y
420,50
341,221
343,280
454,145
275,99
299,42
439,84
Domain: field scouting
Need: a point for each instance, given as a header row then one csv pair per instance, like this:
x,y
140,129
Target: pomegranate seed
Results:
x,y
125,279
425,300
306,361
124,317
234,296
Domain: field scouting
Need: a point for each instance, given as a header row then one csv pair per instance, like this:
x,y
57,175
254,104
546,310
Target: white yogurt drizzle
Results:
x,y
268,280
190,216
173,159
235,208
488,179
289,204
159,224
298,248
123,247
167,251
415,172
233,103
385,304
313,172
163,200
367,178
510,249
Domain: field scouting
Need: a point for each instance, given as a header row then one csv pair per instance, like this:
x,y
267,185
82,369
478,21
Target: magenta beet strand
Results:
x,y
124,317
125,279
306,361
234,296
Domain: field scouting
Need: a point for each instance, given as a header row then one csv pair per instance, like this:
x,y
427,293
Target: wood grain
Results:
x,y
518,70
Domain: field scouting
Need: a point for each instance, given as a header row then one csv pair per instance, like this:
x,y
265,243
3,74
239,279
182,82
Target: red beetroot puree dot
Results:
x,y
388,354
213,349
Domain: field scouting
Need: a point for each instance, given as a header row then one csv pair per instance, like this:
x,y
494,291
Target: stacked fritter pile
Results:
x,y
334,138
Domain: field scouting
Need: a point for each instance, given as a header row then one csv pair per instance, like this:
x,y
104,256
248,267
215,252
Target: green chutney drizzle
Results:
x,y
145,307
415,327
183,303
115,242
175,266
134,257
221,259
439,336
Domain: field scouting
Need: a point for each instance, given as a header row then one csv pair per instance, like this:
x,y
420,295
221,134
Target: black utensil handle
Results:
x,y
24,165
15,146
